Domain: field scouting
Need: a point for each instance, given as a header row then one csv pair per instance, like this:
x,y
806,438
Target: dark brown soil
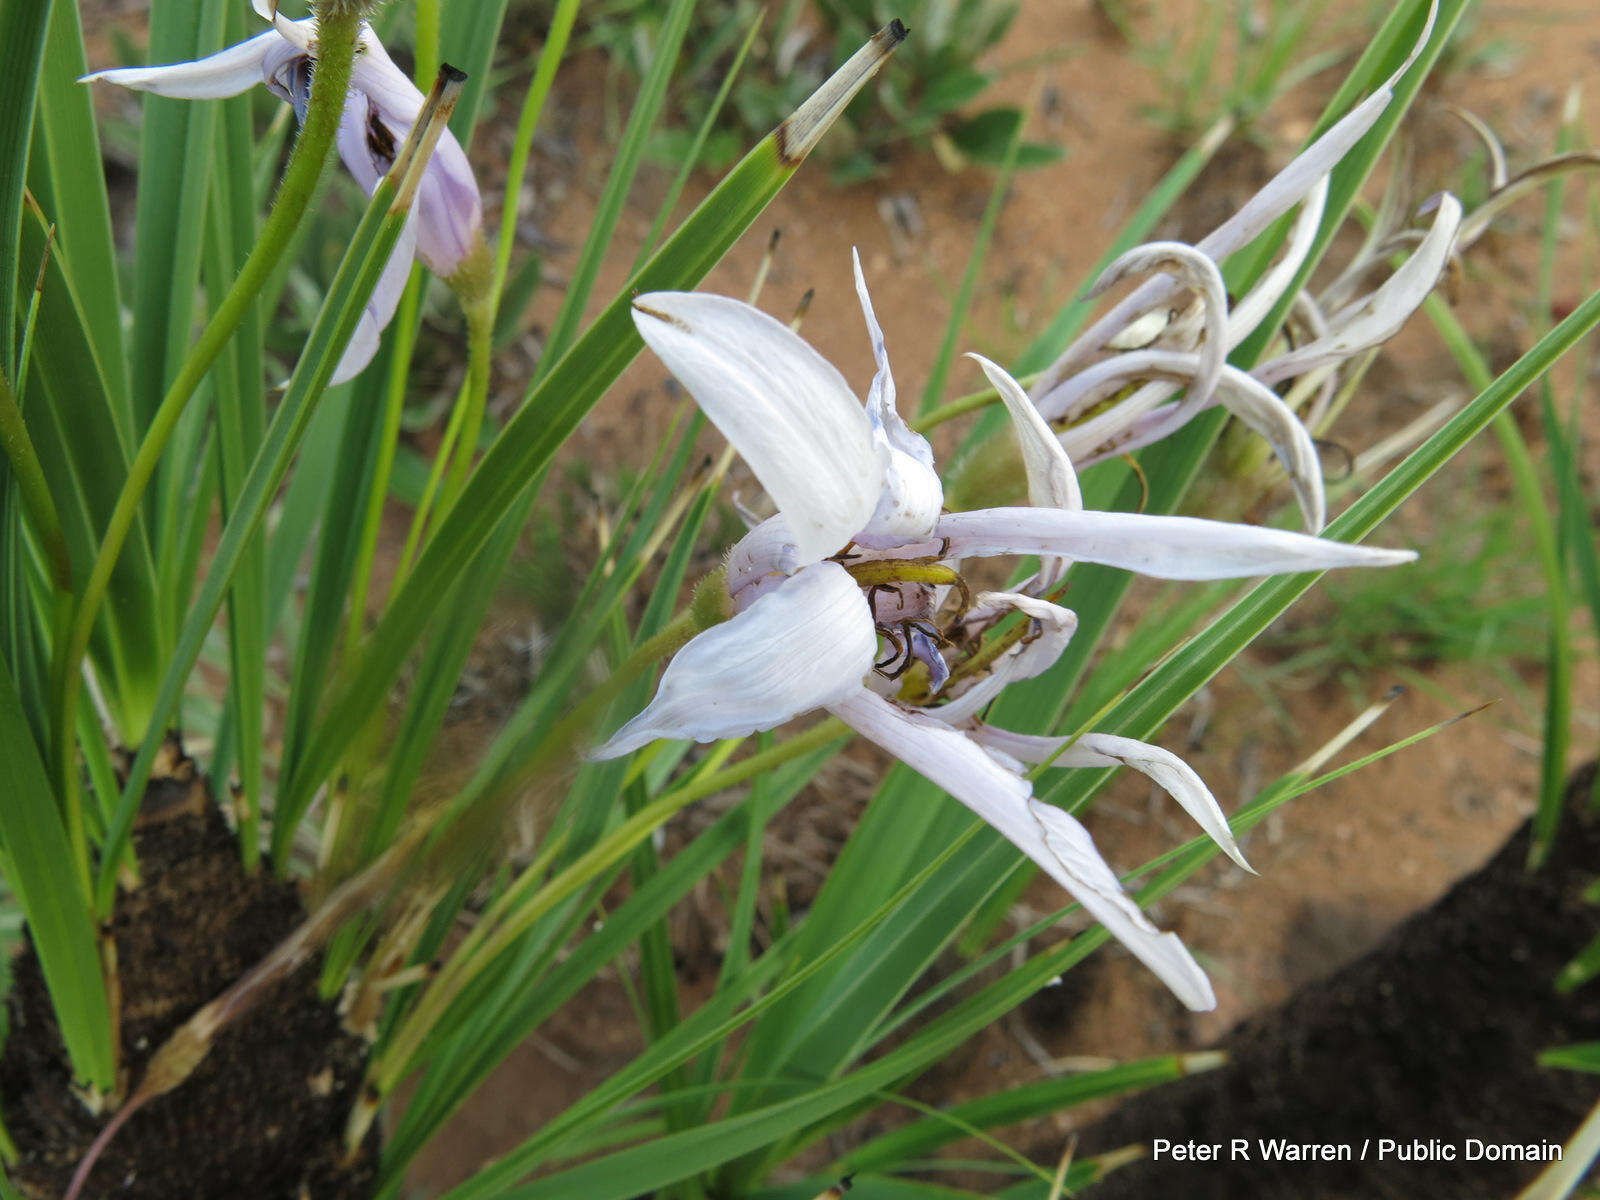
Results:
x,y
263,1114
1432,1036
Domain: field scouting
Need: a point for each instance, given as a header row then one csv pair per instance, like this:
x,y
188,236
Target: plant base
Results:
x,y
263,1114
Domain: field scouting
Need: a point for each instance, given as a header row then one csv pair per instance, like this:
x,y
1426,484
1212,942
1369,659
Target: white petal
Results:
x,y
1052,483
1050,837
1100,891
1164,768
1021,661
354,149
449,208
1376,318
1166,547
1256,405
760,560
380,307
375,75
803,646
912,495
1074,396
782,405
225,73
302,33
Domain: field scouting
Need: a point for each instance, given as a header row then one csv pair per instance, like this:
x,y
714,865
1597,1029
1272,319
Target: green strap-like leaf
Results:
x,y
40,873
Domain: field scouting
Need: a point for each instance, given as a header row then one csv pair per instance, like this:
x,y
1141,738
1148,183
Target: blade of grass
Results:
x,y
22,35
40,871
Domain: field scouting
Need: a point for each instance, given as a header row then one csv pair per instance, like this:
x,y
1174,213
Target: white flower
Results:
x,y
379,111
851,599
1165,347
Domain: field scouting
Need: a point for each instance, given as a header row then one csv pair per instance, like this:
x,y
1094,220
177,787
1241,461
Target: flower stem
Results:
x,y
336,42
475,395
962,405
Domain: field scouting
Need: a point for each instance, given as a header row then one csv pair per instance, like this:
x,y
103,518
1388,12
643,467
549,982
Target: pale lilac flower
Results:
x,y
446,220
850,599
1155,343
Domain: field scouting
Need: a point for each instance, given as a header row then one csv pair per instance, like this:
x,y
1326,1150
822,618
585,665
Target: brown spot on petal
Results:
x,y
661,316
379,140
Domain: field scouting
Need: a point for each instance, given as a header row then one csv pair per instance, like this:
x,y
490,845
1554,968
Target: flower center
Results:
x,y
901,594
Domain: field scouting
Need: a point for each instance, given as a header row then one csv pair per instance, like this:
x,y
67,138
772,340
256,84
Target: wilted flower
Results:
x,y
382,104
851,598
1154,344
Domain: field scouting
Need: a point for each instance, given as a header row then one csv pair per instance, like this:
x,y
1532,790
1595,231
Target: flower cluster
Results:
x,y
1117,387
852,598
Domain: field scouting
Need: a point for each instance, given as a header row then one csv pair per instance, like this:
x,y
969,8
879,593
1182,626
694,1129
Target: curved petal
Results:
x,y
1377,317
760,560
1050,837
375,75
1052,483
1166,547
380,307
1197,271
1074,397
449,207
302,33
1169,772
782,405
1038,654
804,646
1264,412
225,73
912,494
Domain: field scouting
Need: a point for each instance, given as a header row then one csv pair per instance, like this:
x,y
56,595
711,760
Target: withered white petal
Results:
x,y
1278,196
1169,772
784,407
1166,547
1050,837
1269,289
801,647
1377,317
1263,410
1256,405
1197,271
